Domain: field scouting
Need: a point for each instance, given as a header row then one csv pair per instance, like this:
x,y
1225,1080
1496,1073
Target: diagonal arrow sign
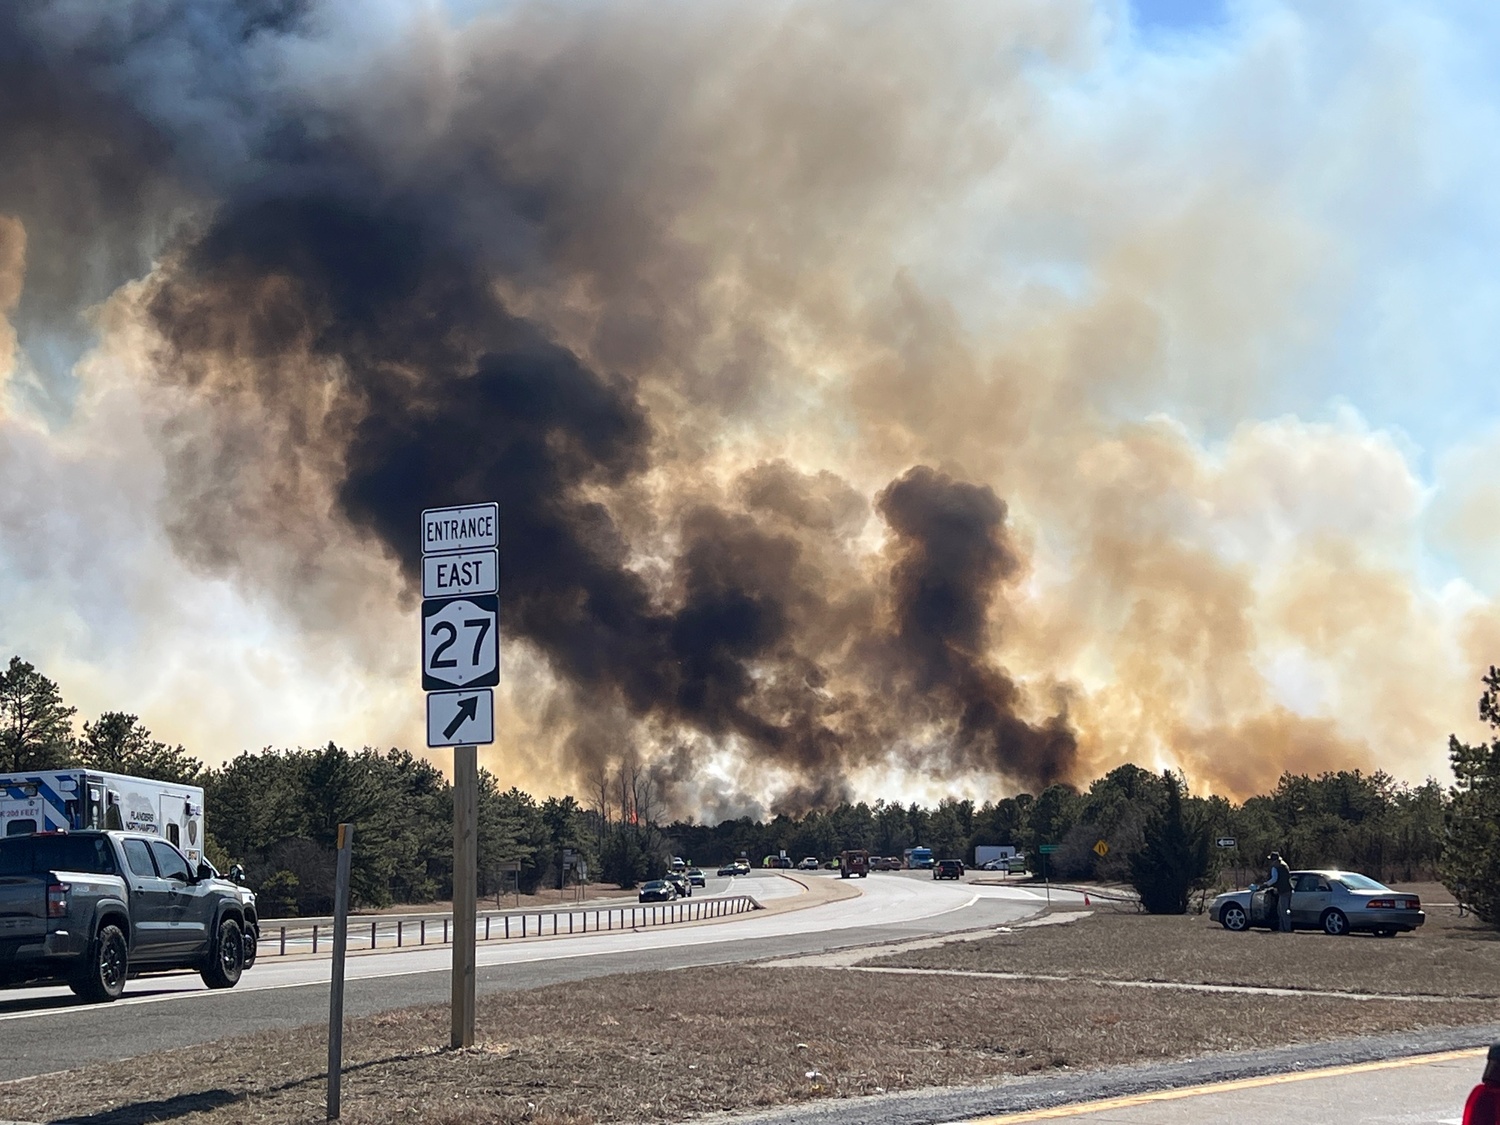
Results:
x,y
466,711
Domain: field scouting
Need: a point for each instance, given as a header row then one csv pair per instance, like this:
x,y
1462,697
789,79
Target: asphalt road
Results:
x,y
1423,1091
1419,1078
44,1030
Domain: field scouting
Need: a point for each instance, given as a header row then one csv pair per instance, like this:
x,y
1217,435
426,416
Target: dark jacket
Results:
x,y
1282,883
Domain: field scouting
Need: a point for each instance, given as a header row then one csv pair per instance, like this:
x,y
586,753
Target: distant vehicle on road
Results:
x,y
729,869
854,863
919,859
1483,1106
743,865
1336,902
809,863
678,863
948,869
680,883
657,890
695,877
986,854
90,909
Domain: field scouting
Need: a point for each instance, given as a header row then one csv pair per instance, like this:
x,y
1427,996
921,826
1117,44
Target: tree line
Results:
x,y
276,812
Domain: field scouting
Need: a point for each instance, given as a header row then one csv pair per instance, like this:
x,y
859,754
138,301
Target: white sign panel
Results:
x,y
467,528
461,642
460,718
469,572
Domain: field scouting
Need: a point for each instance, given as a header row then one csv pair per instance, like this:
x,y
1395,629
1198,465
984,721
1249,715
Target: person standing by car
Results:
x,y
1281,885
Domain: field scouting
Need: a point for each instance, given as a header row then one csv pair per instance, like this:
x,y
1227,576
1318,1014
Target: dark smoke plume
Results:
x,y
953,555
349,330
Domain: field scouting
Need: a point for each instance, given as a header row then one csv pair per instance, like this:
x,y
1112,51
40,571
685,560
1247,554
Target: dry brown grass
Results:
x,y
669,1046
1449,956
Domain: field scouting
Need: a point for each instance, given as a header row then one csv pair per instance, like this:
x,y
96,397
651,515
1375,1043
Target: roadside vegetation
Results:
x,y
276,812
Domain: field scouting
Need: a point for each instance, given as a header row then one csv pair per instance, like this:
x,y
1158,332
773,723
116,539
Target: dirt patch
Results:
x,y
670,1046
1450,956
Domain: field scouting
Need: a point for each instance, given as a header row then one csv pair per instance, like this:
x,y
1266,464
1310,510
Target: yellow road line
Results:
x,y
1221,1087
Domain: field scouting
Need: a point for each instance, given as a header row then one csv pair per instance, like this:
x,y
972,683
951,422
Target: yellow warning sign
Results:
x,y
1101,849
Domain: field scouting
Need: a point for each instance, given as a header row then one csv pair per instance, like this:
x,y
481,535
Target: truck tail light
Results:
x,y
57,900
1483,1106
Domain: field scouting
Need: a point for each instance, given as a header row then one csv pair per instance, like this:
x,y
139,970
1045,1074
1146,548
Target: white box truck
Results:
x,y
58,800
998,854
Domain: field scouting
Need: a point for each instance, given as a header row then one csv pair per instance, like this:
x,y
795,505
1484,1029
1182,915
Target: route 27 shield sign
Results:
x,y
460,642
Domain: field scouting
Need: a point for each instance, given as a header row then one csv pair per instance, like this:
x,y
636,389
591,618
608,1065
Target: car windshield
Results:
x,y
1360,882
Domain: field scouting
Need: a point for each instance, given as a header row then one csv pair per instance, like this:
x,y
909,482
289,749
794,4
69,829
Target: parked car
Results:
x,y
658,890
948,869
1483,1106
695,877
680,882
1336,902
995,865
729,869
91,909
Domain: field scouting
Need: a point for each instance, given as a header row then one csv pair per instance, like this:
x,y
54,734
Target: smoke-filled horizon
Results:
x,y
877,399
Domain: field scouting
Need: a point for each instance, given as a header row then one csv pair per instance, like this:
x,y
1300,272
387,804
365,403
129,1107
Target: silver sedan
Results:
x,y
1336,902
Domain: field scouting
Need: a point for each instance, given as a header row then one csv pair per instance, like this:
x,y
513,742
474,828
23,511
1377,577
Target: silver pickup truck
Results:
x,y
91,909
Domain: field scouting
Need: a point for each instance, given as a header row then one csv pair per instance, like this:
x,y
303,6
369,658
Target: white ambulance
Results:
x,y
55,800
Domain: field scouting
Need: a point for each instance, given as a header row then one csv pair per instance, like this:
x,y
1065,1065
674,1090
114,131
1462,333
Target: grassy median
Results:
x,y
669,1046
1450,956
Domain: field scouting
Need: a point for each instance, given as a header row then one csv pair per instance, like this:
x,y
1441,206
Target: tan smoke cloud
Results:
x,y
818,272
12,275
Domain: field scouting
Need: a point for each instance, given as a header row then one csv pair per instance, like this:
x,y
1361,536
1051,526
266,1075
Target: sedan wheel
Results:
x,y
1234,918
1335,924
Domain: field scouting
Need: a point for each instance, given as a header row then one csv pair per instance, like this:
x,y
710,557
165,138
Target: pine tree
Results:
x,y
36,730
1470,865
117,743
1175,858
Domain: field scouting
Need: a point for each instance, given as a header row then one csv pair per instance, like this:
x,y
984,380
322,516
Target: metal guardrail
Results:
x,y
285,936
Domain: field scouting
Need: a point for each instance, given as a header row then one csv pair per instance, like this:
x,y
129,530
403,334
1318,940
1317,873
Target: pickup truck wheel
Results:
x,y
103,979
251,946
226,959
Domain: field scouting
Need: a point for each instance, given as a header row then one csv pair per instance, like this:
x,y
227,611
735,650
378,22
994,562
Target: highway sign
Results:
x,y
1101,849
460,642
1048,849
468,572
460,718
465,528
1226,841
